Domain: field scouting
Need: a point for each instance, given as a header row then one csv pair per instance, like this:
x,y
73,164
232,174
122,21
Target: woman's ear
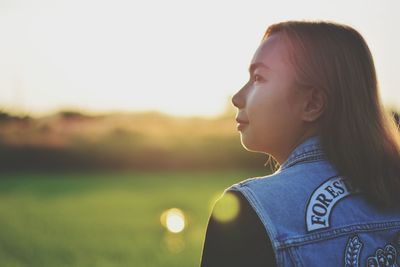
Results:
x,y
313,105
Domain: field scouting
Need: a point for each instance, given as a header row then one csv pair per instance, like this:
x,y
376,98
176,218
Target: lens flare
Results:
x,y
173,219
226,208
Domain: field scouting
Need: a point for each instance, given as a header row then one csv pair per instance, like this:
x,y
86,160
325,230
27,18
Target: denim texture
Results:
x,y
315,217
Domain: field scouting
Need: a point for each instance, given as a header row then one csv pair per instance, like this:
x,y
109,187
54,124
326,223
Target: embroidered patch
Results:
x,y
322,201
386,257
352,252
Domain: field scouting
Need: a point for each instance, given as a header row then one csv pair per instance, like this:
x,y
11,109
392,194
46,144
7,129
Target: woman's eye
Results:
x,y
257,78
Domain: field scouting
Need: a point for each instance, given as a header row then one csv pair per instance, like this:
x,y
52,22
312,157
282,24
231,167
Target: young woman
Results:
x,y
312,103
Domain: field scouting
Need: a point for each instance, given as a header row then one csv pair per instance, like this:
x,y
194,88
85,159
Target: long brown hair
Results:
x,y
357,133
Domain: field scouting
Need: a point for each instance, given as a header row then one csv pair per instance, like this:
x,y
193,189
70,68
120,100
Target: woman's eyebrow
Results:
x,y
258,65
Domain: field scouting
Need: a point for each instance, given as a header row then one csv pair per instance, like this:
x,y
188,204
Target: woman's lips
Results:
x,y
241,121
241,124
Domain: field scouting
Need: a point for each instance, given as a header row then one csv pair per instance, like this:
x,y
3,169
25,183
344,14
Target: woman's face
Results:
x,y
269,103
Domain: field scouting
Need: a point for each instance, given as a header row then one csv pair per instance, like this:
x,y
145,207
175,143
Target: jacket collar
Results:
x,y
309,150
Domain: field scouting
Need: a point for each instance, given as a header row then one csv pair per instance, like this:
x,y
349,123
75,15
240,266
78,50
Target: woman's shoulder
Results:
x,y
310,174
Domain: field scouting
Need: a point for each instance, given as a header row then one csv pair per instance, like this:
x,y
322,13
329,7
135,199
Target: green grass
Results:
x,y
106,219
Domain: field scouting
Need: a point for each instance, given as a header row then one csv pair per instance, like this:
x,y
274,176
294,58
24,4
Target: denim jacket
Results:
x,y
315,217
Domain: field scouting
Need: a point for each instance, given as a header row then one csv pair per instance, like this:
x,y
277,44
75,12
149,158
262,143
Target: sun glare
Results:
x,y
173,219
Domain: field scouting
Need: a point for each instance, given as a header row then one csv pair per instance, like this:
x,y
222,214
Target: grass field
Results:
x,y
106,219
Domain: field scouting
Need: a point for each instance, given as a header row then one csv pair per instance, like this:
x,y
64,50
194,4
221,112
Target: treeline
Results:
x,y
69,140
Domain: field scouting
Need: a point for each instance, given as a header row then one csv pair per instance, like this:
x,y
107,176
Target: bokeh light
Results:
x,y
174,243
226,208
173,219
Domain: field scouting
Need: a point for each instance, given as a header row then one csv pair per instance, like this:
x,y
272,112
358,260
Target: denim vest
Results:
x,y
315,217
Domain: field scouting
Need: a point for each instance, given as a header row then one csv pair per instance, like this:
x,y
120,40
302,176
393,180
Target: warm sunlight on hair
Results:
x,y
226,208
173,219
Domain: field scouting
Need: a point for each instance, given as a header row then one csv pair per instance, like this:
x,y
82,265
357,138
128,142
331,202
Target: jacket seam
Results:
x,y
305,160
303,157
343,231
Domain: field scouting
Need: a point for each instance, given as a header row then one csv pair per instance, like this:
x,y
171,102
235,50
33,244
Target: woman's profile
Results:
x,y
312,103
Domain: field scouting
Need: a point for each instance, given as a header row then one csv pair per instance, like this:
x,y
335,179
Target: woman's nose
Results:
x,y
238,100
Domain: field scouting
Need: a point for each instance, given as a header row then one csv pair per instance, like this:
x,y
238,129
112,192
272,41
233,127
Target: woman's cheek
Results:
x,y
257,101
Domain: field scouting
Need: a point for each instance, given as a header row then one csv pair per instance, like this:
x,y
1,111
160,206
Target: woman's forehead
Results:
x,y
272,52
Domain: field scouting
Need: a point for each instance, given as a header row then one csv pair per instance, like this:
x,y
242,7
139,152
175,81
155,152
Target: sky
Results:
x,y
182,57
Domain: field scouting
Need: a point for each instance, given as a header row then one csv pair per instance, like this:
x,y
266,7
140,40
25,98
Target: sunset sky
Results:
x,y
181,57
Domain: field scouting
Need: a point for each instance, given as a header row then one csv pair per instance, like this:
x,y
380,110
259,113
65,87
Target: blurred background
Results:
x,y
117,132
